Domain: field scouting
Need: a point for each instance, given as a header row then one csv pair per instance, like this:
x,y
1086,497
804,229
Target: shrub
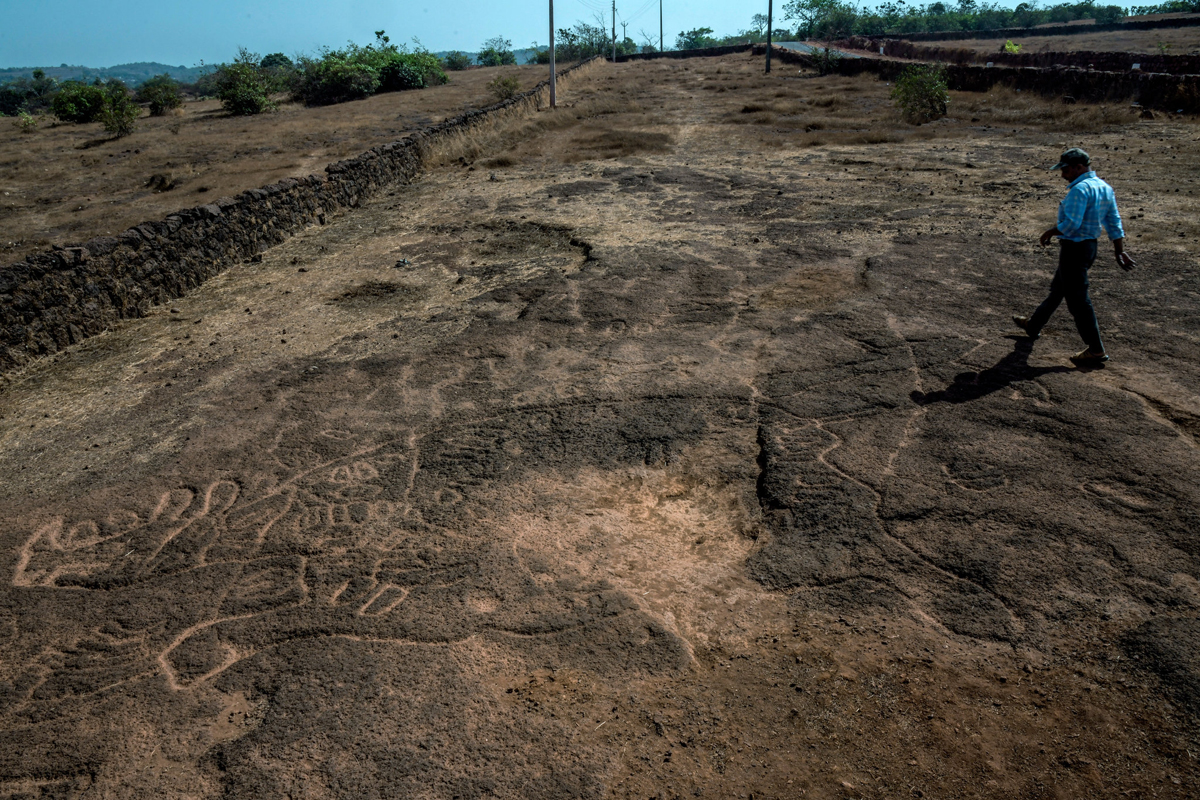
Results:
x,y
921,93
242,86
334,78
120,112
497,52
457,61
279,73
410,71
504,87
398,75
826,61
27,94
78,102
161,93
25,122
356,72
1011,47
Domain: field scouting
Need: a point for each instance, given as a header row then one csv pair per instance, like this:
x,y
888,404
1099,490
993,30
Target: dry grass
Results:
x,y
66,183
1002,106
618,143
1181,41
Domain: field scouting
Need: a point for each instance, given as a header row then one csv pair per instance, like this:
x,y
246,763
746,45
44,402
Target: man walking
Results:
x,y
1089,204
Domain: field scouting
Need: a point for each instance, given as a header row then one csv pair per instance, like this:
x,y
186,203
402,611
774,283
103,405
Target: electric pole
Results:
x,y
660,29
770,22
552,98
624,32
614,31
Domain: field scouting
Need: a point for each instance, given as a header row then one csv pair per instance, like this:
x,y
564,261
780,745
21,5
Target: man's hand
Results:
x,y
1126,262
1048,235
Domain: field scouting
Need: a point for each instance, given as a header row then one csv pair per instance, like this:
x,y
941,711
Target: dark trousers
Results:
x,y
1071,284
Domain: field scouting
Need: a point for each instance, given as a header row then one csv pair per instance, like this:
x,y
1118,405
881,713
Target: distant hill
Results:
x,y
132,74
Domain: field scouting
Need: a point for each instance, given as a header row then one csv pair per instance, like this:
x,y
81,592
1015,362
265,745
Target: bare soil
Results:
x,y
673,443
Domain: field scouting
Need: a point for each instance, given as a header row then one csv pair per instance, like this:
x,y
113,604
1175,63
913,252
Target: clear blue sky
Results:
x,y
101,33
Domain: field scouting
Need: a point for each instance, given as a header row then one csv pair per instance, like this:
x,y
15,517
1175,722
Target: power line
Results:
x,y
649,4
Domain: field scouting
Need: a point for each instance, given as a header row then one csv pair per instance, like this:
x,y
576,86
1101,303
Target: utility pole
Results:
x,y
660,29
552,98
770,22
614,31
624,32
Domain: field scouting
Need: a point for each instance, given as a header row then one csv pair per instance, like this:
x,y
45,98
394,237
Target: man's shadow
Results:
x,y
969,386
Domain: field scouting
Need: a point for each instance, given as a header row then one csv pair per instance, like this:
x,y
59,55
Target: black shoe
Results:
x,y
1086,358
1023,324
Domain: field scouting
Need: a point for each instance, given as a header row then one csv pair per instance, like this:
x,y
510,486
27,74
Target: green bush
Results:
x,y
504,87
161,93
120,112
496,52
335,78
410,71
78,102
354,72
457,61
27,94
25,122
921,93
826,60
242,86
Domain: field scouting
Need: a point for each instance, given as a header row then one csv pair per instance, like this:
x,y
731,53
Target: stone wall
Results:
x,y
697,52
57,298
1152,90
1084,59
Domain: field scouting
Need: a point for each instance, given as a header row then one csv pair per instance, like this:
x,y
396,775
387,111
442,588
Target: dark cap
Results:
x,y
1073,157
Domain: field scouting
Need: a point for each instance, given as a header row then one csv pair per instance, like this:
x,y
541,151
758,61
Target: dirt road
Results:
x,y
659,450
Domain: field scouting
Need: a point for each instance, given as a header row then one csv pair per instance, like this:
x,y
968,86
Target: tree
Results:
x,y
809,13
496,52
758,24
580,41
274,60
695,39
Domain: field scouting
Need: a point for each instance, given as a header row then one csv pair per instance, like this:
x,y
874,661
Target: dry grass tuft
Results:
x,y
617,143
1004,106
606,104
372,291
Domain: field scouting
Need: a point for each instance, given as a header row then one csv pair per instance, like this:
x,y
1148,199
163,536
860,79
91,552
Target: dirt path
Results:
x,y
653,453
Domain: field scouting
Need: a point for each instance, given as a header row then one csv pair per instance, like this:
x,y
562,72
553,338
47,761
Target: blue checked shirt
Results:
x,y
1089,204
